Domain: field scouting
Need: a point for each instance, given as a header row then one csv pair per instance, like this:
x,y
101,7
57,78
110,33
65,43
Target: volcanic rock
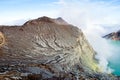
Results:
x,y
113,35
46,49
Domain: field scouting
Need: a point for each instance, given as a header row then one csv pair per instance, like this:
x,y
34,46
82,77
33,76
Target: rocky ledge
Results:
x,y
113,35
47,49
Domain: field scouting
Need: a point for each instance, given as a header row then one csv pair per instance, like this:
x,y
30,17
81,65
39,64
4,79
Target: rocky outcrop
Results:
x,y
113,36
47,49
2,39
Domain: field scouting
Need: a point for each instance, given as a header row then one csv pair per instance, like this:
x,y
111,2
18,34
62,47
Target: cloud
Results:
x,y
90,16
13,19
60,2
15,22
12,10
97,12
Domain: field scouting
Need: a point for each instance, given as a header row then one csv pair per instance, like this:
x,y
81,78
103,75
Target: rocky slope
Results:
x,y
46,49
113,36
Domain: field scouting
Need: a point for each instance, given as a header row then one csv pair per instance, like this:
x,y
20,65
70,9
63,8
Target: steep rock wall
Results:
x,y
50,47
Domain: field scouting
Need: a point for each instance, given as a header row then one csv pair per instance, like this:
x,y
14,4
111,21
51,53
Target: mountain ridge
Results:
x,y
47,48
113,35
58,20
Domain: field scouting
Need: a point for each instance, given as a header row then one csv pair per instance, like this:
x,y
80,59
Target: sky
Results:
x,y
18,10
99,11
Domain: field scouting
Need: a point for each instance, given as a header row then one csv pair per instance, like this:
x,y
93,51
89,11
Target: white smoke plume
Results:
x,y
90,16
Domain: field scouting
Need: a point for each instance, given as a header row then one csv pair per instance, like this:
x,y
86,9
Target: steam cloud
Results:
x,y
95,19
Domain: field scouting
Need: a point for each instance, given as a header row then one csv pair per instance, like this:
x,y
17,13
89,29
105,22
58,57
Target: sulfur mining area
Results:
x,y
47,49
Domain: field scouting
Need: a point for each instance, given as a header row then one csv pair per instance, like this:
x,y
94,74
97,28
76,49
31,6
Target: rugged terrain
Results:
x,y
47,49
113,35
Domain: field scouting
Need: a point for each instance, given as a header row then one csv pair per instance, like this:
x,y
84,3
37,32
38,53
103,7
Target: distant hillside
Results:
x,y
113,36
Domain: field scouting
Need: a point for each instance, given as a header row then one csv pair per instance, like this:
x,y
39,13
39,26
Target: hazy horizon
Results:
x,y
94,11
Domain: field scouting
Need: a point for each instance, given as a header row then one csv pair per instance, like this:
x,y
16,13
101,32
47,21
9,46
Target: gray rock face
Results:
x,y
113,35
49,47
47,41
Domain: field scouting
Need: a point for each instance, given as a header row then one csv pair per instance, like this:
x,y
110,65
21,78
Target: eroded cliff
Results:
x,y
49,49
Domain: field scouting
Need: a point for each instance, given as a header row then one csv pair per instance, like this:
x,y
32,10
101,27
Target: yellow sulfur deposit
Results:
x,y
2,39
